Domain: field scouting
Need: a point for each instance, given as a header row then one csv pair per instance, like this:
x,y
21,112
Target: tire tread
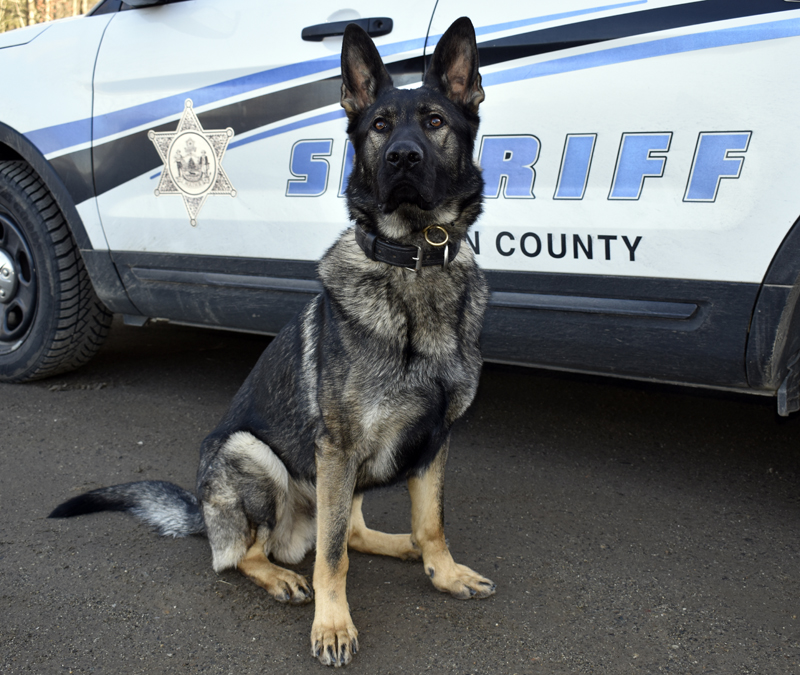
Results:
x,y
82,321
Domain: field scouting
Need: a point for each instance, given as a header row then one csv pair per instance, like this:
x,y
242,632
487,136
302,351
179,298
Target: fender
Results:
x,y
774,336
101,269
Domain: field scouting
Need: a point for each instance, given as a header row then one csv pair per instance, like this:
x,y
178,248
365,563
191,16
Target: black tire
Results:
x,y
51,320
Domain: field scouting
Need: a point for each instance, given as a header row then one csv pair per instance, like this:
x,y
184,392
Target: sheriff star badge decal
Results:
x,y
192,162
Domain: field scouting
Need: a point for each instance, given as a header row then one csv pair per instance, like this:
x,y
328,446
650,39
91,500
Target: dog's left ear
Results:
x,y
363,72
454,68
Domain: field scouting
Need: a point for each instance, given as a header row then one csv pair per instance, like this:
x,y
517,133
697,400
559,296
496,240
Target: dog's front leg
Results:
x,y
334,638
427,526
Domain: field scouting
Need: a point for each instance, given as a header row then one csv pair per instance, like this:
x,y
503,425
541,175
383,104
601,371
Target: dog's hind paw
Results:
x,y
282,584
290,591
334,645
293,593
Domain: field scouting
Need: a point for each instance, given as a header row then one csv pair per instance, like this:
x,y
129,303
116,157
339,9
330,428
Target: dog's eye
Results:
x,y
379,124
436,121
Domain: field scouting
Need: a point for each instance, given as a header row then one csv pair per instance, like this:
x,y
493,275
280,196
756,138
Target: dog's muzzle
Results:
x,y
404,155
405,176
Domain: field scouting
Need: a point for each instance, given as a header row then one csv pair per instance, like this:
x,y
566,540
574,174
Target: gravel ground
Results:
x,y
629,529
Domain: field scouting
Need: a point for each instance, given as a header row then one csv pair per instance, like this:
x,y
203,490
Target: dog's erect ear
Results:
x,y
363,72
454,68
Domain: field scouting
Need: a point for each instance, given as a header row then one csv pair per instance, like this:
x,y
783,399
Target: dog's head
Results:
x,y
413,147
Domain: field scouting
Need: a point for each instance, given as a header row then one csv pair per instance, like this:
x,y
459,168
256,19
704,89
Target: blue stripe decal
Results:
x,y
433,40
496,28
276,131
309,121
62,136
129,118
58,137
674,45
725,37
121,120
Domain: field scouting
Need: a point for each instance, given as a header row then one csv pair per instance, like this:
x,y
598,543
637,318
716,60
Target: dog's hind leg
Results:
x,y
282,584
362,539
427,525
236,543
252,509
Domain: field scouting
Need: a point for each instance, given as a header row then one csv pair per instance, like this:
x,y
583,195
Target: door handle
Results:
x,y
375,27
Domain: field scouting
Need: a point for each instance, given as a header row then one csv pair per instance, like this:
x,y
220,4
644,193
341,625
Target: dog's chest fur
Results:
x,y
409,357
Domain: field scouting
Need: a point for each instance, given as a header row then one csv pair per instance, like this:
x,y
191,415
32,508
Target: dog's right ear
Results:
x,y
363,72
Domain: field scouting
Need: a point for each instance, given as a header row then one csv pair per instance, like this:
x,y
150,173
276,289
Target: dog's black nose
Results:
x,y
404,154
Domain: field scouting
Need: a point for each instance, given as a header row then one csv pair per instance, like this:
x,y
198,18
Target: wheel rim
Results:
x,y
17,285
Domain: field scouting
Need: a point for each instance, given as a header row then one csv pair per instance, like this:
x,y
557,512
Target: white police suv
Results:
x,y
187,160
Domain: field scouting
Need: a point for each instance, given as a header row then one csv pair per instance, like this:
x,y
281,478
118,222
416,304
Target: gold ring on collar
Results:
x,y
436,243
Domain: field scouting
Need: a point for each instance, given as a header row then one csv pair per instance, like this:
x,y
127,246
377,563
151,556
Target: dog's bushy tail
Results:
x,y
166,507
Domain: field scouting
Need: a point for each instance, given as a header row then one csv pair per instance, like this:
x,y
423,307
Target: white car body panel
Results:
x,y
259,221
66,51
741,87
640,157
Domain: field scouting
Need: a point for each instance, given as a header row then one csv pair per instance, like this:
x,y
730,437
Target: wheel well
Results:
x,y
102,272
774,338
8,153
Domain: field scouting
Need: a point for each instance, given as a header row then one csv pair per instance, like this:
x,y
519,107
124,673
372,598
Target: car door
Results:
x,y
640,175
219,149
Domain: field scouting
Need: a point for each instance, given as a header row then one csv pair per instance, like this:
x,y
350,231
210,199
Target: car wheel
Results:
x,y
51,320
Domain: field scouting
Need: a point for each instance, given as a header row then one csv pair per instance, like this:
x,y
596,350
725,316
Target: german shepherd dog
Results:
x,y
362,388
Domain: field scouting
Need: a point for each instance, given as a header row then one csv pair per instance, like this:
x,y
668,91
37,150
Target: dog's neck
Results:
x,y
384,250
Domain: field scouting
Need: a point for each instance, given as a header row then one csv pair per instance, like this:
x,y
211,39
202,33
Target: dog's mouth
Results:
x,y
406,193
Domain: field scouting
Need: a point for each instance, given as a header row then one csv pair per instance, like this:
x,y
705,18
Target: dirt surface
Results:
x,y
628,528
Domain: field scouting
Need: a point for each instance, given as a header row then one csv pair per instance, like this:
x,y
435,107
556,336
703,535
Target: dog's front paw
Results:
x,y
460,581
334,643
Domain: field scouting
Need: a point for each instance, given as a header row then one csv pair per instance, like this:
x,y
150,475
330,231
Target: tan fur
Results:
x,y
364,540
428,534
334,638
282,584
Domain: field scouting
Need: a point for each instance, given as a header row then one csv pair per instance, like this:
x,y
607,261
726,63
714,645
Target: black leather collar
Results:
x,y
400,255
